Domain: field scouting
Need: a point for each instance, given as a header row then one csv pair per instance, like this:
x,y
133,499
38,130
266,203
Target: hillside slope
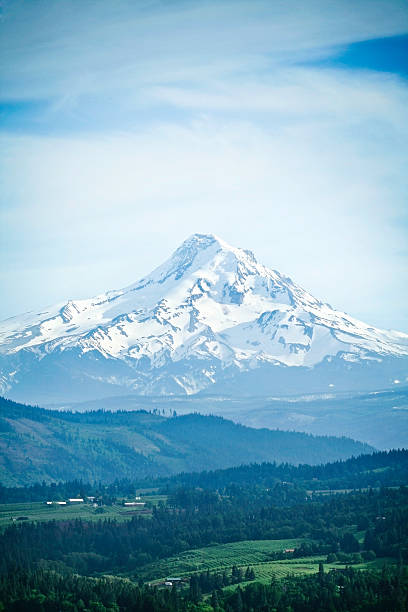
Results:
x,y
37,444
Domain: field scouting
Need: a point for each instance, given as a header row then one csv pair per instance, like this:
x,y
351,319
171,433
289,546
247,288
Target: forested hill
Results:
x,y
380,469
38,444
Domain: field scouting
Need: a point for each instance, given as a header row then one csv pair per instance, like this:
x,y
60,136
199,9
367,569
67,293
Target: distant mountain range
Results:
x,y
38,444
211,319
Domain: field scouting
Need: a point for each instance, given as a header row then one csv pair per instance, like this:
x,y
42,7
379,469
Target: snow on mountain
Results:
x,y
208,314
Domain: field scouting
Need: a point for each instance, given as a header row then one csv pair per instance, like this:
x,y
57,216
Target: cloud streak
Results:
x,y
74,48
161,119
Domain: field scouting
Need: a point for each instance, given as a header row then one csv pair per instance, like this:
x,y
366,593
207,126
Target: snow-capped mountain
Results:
x,y
211,318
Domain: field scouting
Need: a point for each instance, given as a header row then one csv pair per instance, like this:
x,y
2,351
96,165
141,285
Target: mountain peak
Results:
x,y
195,244
208,314
195,252
201,242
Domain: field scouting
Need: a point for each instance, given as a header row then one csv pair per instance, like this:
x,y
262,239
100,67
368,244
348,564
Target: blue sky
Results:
x,y
280,126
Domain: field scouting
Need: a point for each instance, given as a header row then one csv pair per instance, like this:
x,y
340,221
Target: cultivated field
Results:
x,y
219,557
38,511
253,553
304,565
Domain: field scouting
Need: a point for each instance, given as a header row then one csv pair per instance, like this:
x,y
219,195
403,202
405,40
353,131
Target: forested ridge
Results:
x,y
50,445
385,468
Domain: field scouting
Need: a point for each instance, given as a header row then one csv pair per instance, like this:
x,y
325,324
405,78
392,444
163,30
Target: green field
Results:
x,y
304,565
253,553
38,511
218,557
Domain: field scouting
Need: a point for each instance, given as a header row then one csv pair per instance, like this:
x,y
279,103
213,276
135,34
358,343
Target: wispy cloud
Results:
x,y
299,92
79,48
154,120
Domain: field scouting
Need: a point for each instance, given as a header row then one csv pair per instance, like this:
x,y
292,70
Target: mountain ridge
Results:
x,y
38,444
209,317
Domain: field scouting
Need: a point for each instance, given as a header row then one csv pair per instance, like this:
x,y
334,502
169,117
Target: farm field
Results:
x,y
253,553
218,557
38,511
304,566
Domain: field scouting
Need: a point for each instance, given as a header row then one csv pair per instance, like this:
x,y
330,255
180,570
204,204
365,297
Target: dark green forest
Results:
x,y
381,469
63,564
337,591
385,468
196,518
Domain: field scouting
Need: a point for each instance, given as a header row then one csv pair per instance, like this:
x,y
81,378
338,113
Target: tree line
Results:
x,y
380,469
337,591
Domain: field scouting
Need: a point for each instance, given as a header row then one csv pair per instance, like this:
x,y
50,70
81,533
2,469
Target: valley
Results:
x,y
216,536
